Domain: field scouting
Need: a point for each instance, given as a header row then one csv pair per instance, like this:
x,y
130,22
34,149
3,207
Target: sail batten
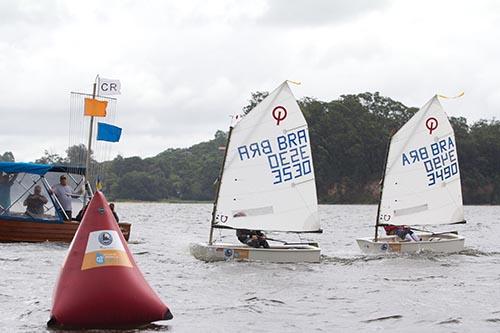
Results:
x,y
268,176
422,179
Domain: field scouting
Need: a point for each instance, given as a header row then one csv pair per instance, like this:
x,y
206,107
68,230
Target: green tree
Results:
x,y
256,98
50,158
8,156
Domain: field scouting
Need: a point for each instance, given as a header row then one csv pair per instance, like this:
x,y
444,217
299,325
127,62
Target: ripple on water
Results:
x,y
11,259
398,316
450,321
493,320
264,301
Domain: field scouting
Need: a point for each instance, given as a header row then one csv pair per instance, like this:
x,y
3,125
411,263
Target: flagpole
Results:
x,y
89,147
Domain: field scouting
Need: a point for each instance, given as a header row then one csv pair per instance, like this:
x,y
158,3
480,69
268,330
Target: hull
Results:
x,y
277,254
26,231
439,243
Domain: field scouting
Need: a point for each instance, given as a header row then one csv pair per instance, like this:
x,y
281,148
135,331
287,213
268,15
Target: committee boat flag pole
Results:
x,y
105,132
89,147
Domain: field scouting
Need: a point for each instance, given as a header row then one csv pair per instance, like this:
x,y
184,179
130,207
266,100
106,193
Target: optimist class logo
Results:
x,y
431,124
279,114
105,238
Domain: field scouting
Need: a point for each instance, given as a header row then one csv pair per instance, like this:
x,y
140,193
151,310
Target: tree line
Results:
x,y
349,138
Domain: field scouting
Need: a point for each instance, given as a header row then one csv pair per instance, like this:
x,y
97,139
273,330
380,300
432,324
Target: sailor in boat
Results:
x,y
64,194
253,238
6,181
402,231
34,202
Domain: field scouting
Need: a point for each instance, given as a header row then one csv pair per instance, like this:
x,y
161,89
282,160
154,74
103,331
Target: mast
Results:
x,y
377,218
214,210
89,147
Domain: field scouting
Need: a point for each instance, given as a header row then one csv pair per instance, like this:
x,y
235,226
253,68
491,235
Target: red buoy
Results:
x,y
100,285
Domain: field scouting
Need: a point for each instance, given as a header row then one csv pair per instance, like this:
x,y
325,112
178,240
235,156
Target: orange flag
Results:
x,y
94,107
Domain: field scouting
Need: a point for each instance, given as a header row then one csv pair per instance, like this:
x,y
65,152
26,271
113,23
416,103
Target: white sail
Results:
x,y
422,178
268,178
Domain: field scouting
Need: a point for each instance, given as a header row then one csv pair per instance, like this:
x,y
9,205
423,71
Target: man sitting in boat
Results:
x,y
253,238
402,231
35,202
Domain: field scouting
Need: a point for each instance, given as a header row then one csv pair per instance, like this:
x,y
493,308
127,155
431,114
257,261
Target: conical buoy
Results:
x,y
100,285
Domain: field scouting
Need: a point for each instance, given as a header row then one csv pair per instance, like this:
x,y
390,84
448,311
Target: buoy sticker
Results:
x,y
104,248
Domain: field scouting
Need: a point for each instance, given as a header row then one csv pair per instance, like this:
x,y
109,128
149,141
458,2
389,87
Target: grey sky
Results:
x,y
185,66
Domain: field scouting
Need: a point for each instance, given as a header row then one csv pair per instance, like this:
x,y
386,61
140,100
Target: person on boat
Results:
x,y
402,231
34,202
64,193
253,238
6,181
112,207
79,216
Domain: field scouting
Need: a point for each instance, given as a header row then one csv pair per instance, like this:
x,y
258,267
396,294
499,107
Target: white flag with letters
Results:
x,y
108,87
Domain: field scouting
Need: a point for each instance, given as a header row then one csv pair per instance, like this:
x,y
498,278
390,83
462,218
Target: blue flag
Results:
x,y
107,132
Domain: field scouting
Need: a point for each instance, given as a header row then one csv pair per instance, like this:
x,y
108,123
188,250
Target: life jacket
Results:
x,y
243,234
391,229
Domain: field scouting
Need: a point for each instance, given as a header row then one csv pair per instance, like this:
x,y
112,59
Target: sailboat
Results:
x,y
266,183
421,186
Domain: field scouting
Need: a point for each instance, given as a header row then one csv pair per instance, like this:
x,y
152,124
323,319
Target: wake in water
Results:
x,y
432,256
478,253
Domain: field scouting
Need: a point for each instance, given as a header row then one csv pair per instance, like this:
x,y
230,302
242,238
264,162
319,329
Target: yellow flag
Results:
x,y
95,108
98,184
453,97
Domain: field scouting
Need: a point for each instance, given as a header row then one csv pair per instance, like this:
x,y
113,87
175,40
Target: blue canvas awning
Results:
x,y
39,169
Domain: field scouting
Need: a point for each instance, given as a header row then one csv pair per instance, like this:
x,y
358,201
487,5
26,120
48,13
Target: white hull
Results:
x,y
278,254
439,243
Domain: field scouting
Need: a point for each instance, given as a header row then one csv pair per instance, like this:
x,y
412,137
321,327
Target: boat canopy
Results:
x,y
39,169
18,181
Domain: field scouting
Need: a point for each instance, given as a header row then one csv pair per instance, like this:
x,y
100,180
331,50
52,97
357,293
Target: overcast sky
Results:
x,y
186,66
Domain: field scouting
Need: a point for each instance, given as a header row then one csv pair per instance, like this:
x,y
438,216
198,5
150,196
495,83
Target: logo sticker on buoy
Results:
x,y
105,238
99,258
104,248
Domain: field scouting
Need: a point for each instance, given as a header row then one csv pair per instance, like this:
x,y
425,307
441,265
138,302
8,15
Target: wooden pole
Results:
x,y
214,210
89,147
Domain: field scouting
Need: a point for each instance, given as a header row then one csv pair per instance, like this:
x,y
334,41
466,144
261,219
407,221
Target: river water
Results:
x,y
346,292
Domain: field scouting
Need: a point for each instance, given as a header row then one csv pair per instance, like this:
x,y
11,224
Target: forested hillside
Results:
x,y
349,139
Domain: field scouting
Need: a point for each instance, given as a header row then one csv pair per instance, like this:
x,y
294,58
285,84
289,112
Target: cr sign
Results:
x,y
109,87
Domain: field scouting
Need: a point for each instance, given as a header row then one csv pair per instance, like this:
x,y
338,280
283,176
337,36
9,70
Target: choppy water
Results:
x,y
346,292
